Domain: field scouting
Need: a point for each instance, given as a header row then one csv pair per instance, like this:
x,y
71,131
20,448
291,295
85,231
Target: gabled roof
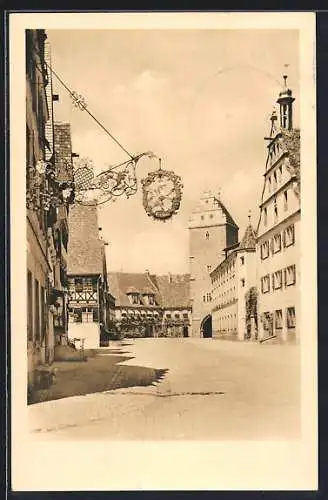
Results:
x,y
174,290
229,218
120,284
85,252
169,290
249,238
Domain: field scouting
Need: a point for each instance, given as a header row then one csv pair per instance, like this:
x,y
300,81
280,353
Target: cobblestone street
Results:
x,y
212,390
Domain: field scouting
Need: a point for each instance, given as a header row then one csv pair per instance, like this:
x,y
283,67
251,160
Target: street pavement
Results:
x,y
213,390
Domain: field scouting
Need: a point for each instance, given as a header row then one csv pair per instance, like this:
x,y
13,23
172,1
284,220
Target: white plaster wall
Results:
x,y
89,331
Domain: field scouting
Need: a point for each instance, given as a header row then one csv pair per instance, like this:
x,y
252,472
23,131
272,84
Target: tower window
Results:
x,y
209,268
207,235
286,200
242,260
265,216
275,210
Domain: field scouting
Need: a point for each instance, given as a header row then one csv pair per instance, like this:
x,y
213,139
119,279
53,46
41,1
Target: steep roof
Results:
x,y
120,284
174,290
229,218
169,290
209,202
85,252
249,238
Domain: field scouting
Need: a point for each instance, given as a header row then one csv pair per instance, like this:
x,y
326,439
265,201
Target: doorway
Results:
x,y
206,327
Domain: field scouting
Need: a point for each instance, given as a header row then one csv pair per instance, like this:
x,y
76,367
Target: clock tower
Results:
x,y
211,230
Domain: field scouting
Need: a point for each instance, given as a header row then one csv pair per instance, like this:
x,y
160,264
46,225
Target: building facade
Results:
x,y
232,280
278,248
211,230
148,305
41,250
87,277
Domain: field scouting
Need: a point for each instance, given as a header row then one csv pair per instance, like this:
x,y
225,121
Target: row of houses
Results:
x,y
250,289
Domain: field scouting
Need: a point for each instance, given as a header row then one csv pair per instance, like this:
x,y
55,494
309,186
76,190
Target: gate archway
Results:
x,y
206,327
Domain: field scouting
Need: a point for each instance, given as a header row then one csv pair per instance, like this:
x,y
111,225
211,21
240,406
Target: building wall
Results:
x,y
90,332
230,281
40,340
278,248
287,295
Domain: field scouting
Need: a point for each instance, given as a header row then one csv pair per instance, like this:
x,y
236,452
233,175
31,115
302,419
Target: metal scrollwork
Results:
x,y
162,193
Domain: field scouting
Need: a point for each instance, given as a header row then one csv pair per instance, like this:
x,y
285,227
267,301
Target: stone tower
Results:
x,y
211,230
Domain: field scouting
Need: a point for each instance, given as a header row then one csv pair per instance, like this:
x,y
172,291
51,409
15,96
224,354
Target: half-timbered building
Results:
x,y
87,277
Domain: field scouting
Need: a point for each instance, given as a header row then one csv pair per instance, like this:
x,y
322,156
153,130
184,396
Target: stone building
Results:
x,y
278,248
151,306
211,231
40,216
87,277
232,279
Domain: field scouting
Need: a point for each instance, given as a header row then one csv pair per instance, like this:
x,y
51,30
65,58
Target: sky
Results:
x,y
199,99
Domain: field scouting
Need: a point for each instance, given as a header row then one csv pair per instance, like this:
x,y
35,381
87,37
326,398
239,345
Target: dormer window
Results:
x,y
134,298
151,300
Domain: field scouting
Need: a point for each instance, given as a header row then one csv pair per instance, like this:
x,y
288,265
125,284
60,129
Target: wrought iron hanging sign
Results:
x,y
162,192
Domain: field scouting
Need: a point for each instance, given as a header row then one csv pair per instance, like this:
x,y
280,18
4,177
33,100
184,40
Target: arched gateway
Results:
x,y
206,327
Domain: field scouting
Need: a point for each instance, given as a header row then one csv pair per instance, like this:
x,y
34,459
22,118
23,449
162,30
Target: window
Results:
x,y
285,200
290,275
207,235
135,298
209,268
265,284
43,313
168,315
202,217
275,208
277,280
265,213
79,285
29,306
242,260
211,216
87,315
185,315
204,298
151,300
276,243
278,319
269,184
242,282
87,285
37,309
289,236
177,316
265,250
291,318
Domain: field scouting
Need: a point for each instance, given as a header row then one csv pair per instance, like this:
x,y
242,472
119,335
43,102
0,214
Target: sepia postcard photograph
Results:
x,y
163,251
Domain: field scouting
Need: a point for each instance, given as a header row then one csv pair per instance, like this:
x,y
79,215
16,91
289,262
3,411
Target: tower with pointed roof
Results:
x,y
211,230
278,258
